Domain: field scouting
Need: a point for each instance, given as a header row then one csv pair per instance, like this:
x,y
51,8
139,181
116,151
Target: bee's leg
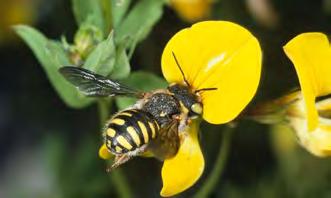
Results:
x,y
119,160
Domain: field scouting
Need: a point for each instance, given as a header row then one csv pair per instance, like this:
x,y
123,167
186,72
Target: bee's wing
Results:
x,y
167,143
92,84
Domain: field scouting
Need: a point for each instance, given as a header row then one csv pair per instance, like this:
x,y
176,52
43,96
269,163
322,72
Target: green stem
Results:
x,y
107,14
121,183
219,166
117,177
104,107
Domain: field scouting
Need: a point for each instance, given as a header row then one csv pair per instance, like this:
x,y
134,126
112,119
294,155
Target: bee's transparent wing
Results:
x,y
167,143
92,84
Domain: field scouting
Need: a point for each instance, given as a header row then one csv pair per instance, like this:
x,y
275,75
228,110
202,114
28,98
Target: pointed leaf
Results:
x,y
122,66
102,58
119,9
139,21
51,57
88,10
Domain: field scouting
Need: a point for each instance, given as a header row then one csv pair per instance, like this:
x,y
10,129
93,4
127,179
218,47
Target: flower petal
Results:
x,y
183,170
104,153
190,10
318,141
324,106
311,56
216,54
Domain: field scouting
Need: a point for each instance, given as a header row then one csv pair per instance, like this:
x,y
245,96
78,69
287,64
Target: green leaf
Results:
x,y
143,81
119,9
102,59
139,22
89,11
122,66
52,56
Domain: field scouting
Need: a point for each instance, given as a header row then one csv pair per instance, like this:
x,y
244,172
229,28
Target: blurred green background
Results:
x,y
50,150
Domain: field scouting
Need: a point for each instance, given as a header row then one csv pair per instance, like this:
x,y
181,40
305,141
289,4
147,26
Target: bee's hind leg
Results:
x,y
119,160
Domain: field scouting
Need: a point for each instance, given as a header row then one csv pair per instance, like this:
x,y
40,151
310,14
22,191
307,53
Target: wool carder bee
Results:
x,y
152,124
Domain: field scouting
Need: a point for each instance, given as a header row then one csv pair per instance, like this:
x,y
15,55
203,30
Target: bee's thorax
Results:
x,y
162,106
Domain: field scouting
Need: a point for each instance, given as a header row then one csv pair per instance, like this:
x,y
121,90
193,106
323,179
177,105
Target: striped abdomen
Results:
x,y
130,129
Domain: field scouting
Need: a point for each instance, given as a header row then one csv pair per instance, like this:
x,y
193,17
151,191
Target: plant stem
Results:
x,y
117,177
219,166
121,184
107,13
104,107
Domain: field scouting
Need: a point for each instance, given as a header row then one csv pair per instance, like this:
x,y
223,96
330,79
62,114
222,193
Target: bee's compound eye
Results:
x,y
196,108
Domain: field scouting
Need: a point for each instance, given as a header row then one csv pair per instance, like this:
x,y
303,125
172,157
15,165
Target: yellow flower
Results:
x,y
192,10
15,12
212,54
216,54
311,56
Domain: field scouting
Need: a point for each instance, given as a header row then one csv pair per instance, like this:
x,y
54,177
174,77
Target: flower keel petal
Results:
x,y
183,170
104,153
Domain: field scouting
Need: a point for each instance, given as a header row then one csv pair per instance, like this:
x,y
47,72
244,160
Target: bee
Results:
x,y
152,124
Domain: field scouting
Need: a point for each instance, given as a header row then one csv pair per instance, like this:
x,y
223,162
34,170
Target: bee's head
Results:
x,y
190,100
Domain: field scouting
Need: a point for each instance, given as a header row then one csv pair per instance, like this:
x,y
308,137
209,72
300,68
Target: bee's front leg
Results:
x,y
184,120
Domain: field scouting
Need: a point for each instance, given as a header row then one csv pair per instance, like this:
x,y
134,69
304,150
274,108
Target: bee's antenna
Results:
x,y
205,89
181,71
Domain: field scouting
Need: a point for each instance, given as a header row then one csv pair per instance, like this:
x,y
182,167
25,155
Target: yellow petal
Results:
x,y
322,140
183,170
216,54
318,141
311,56
104,153
324,105
190,10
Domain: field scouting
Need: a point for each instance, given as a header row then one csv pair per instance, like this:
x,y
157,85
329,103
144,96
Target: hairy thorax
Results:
x,y
163,106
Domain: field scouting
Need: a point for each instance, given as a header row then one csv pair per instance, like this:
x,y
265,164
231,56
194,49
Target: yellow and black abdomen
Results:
x,y
129,130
